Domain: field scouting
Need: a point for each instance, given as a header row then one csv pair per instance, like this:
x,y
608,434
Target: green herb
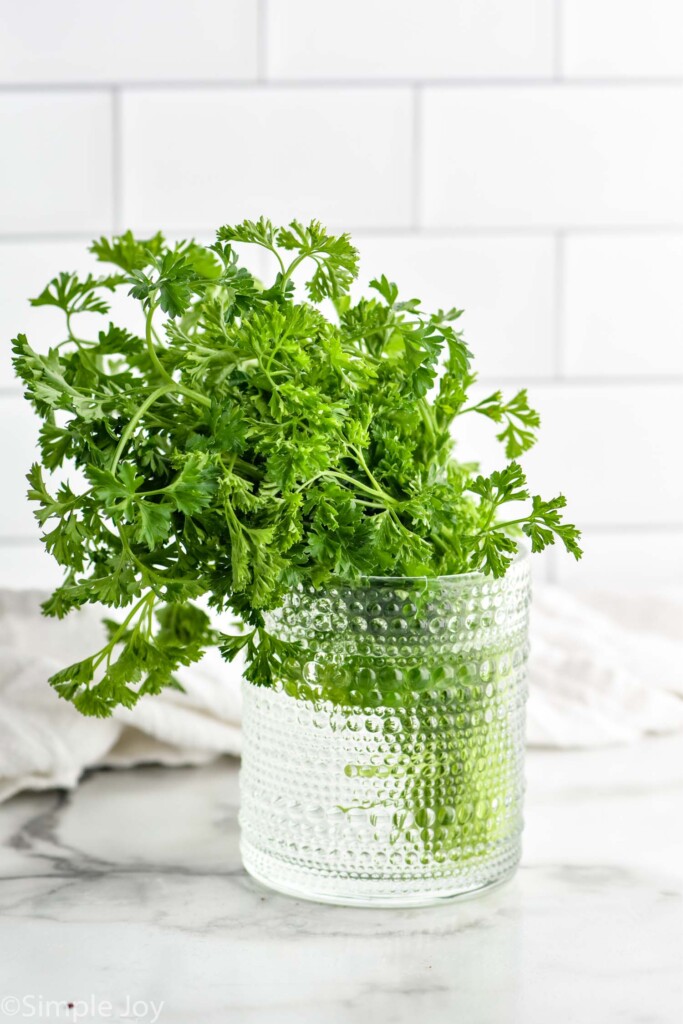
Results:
x,y
245,443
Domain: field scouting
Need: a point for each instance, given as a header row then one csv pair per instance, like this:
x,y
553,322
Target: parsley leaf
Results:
x,y
521,421
245,444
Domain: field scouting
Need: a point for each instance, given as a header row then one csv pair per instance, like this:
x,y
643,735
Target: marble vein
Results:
x,y
131,888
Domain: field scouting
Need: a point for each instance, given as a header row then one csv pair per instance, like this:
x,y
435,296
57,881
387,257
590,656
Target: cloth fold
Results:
x,y
595,679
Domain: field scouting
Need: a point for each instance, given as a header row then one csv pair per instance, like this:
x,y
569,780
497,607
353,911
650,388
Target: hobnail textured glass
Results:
x,y
385,766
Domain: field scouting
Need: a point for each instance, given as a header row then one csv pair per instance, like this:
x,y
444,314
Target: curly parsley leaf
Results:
x,y
244,444
72,295
521,421
335,257
545,524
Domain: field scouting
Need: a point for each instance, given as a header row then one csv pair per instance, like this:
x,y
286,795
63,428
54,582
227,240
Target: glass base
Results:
x,y
364,892
384,767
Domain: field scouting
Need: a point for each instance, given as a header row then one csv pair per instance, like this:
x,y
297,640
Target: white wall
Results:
x,y
519,158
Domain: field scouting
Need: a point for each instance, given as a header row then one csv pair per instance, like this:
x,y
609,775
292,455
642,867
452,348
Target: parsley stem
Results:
x,y
427,420
134,558
269,248
437,540
144,601
489,516
356,483
486,407
247,469
369,504
502,526
291,268
72,336
363,464
161,370
132,423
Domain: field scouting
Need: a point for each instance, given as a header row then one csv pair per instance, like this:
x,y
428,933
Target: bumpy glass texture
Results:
x,y
386,764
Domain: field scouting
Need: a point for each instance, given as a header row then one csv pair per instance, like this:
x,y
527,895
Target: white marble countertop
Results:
x,y
127,899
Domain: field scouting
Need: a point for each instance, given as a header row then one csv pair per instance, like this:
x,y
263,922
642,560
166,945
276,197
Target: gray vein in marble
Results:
x,y
133,886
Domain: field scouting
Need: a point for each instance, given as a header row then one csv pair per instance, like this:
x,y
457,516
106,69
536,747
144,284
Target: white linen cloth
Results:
x,y
604,669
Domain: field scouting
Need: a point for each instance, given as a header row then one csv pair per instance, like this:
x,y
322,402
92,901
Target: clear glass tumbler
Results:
x,y
385,766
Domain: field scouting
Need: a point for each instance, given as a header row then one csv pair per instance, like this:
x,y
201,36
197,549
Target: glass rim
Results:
x,y
522,557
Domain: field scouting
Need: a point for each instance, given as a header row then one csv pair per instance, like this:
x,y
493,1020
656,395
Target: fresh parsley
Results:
x,y
244,443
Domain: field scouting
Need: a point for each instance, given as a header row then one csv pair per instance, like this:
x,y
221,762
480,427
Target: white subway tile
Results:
x,y
55,173
343,157
505,284
28,566
623,560
27,266
541,567
70,41
371,39
629,38
19,423
552,156
622,305
612,450
25,269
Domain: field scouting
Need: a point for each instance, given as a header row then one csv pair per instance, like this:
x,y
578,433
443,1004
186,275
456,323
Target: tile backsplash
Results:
x,y
520,159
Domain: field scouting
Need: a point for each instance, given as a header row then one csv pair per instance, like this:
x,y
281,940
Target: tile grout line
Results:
x,y
507,82
381,231
365,231
262,41
416,183
559,360
558,41
117,161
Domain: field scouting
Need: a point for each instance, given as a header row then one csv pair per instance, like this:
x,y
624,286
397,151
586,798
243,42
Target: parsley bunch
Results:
x,y
244,443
